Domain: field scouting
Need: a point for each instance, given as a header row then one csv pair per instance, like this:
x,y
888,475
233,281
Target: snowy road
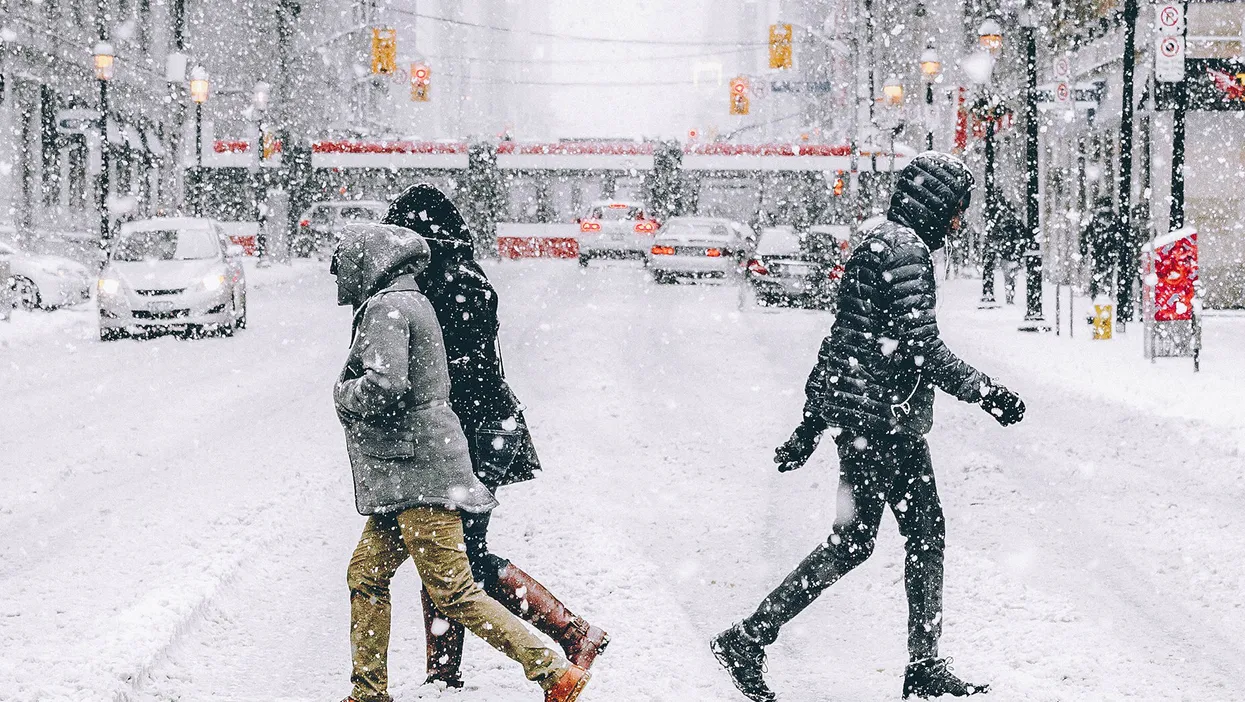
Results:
x,y
175,517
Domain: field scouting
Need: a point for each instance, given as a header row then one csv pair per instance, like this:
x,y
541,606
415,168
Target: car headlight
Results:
x,y
109,286
213,282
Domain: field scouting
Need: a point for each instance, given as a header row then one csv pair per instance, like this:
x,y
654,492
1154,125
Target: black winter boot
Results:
x,y
932,677
744,660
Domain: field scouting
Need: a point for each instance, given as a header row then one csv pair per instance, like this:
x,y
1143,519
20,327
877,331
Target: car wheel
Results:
x,y
662,278
27,293
583,261
241,323
109,334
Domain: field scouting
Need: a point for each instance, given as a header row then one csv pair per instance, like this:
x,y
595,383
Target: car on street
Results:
x,y
44,281
176,273
793,269
321,225
615,229
698,247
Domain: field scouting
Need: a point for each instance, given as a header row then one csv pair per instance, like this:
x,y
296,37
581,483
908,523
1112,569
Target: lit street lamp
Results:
x,y
931,68
199,90
892,91
104,60
990,36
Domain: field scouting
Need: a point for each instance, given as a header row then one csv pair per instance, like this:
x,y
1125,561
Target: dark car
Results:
x,y
800,270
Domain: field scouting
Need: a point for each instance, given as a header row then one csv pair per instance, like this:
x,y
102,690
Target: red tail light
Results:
x,y
304,223
836,273
662,250
589,226
645,227
757,267
713,253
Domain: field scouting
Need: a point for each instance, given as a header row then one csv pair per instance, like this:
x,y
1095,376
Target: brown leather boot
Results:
x,y
568,687
529,600
445,650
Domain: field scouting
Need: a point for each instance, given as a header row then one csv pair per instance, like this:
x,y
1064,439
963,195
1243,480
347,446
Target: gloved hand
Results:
x,y
1004,405
796,451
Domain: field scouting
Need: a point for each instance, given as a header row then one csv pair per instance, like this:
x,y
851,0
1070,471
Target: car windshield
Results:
x,y
359,214
166,245
686,231
615,212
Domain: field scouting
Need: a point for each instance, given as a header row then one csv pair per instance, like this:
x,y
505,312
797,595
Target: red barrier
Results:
x,y
514,247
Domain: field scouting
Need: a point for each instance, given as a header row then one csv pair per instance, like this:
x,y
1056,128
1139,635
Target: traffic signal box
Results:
x,y
780,46
384,51
421,82
739,96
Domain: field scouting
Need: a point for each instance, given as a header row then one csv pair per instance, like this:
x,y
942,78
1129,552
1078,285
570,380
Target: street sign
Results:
x,y
1062,68
77,121
1063,94
739,95
1169,18
801,86
1169,58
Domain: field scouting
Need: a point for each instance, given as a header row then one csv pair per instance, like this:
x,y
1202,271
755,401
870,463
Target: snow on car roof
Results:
x,y
157,223
778,241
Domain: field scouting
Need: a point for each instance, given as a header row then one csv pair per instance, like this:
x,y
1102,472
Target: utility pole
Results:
x,y
1182,102
1034,318
1128,248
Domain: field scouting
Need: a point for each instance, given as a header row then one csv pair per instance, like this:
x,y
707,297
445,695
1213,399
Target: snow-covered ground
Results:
x,y
176,516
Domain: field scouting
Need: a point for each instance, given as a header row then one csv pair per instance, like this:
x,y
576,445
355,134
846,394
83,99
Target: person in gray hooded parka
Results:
x,y
412,473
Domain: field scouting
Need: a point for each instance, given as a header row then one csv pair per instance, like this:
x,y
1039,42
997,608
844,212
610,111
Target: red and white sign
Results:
x,y
1169,58
1175,275
1169,18
1063,94
1062,68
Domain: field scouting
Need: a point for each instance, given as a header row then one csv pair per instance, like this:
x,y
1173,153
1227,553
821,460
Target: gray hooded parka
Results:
x,y
406,445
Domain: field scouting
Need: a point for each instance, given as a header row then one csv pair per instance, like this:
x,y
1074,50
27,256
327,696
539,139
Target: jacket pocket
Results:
x,y
384,443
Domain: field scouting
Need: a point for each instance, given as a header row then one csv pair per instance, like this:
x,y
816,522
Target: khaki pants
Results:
x,y
433,537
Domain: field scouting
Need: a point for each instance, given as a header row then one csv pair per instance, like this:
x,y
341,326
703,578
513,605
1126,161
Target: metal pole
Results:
x,y
105,233
929,115
197,180
1033,259
1128,247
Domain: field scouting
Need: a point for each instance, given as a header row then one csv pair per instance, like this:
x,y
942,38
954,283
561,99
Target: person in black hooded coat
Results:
x,y
874,383
499,442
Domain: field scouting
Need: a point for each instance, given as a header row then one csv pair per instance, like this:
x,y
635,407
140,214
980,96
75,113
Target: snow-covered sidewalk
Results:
x,y
176,515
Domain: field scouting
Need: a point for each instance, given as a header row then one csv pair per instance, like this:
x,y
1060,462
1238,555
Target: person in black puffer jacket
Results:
x,y
499,443
874,385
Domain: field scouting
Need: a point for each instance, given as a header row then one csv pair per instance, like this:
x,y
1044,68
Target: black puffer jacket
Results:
x,y
466,305
877,371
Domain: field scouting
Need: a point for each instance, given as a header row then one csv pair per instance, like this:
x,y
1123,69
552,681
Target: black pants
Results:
x,y
485,566
875,472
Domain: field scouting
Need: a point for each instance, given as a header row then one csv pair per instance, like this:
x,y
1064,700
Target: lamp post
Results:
x,y
8,140
1034,319
259,105
990,37
931,68
199,89
104,60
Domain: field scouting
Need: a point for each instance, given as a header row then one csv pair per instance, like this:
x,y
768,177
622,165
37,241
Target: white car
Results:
x,y
615,229
321,225
172,273
45,281
699,247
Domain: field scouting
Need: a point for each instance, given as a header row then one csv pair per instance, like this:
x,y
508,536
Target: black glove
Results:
x,y
1004,405
798,448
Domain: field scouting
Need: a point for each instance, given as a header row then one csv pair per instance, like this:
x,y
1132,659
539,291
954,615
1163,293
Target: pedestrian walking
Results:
x,y
873,384
1100,242
1007,239
499,443
412,472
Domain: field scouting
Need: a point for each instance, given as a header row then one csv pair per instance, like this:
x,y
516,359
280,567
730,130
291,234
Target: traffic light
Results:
x,y
739,95
780,46
384,50
840,184
421,82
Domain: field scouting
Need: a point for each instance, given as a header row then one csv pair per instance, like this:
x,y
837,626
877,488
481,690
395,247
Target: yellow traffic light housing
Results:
x,y
384,50
739,95
421,82
780,36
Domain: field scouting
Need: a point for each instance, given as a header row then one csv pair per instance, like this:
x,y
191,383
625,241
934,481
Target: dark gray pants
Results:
x,y
875,472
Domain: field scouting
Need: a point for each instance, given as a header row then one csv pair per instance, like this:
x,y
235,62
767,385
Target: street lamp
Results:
x,y
259,104
931,68
1034,319
990,35
199,90
105,65
892,90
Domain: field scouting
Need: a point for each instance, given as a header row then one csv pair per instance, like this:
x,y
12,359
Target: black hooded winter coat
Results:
x,y
466,305
877,371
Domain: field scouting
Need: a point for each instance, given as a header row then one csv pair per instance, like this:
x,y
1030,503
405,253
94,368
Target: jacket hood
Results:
x,y
369,256
931,191
427,211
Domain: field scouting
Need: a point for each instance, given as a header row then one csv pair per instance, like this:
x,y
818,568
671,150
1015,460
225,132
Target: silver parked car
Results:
x,y
172,273
615,229
788,268
698,247
39,280
320,226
